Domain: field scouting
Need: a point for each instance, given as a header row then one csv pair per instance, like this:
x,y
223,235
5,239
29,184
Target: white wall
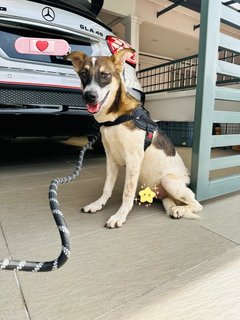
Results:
x,y
180,105
147,61
171,106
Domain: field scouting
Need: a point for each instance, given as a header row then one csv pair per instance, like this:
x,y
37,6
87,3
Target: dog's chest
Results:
x,y
123,143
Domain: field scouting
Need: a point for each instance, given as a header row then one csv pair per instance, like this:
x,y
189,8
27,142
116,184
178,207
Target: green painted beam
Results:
x,y
231,182
226,140
229,43
231,94
226,117
219,187
230,17
229,69
205,94
225,162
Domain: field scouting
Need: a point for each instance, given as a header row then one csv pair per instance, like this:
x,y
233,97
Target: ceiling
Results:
x,y
154,40
168,43
196,4
158,42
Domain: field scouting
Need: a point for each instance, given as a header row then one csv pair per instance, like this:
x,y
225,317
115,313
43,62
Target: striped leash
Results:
x,y
35,266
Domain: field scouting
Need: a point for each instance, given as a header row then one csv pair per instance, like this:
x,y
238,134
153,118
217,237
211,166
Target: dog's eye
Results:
x,y
105,75
83,74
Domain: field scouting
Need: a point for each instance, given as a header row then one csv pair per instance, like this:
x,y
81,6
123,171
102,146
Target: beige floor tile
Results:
x,y
28,182
25,212
33,220
208,292
11,302
23,170
109,268
153,268
222,216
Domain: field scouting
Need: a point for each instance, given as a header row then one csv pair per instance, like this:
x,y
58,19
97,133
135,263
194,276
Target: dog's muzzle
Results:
x,y
90,98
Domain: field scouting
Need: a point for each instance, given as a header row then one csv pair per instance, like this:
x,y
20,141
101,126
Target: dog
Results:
x,y
159,166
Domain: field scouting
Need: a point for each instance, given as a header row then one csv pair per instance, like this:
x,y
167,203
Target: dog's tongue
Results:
x,y
93,108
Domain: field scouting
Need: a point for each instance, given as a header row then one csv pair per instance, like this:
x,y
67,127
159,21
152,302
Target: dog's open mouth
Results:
x,y
95,107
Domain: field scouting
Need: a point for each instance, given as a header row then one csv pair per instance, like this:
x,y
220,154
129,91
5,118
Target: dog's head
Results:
x,y
100,77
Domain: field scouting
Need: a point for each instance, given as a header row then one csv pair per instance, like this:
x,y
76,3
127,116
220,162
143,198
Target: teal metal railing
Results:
x,y
206,111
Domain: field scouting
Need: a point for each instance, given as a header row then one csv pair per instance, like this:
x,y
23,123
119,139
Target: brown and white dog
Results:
x,y
160,166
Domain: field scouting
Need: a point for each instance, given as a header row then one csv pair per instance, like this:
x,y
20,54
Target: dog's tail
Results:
x,y
191,215
188,214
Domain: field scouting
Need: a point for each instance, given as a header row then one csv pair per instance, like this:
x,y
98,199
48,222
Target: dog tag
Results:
x,y
54,47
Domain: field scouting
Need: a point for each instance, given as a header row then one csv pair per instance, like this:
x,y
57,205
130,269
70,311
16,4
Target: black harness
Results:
x,y
141,119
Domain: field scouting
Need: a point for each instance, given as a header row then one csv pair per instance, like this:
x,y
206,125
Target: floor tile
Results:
x,y
153,268
210,291
222,216
11,302
108,268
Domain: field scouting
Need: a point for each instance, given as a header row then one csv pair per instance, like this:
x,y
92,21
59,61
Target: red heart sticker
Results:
x,y
41,45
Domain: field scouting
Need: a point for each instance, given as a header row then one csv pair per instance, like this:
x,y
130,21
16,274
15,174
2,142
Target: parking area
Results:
x,y
153,268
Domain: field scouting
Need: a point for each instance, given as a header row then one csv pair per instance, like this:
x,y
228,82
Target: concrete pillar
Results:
x,y
132,26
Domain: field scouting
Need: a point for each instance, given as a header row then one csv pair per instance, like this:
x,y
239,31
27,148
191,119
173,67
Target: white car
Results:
x,y
40,95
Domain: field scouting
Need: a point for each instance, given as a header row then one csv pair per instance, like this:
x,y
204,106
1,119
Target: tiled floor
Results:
x,y
154,268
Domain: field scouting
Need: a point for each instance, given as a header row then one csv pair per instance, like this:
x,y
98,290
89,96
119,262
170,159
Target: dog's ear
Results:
x,y
120,57
77,58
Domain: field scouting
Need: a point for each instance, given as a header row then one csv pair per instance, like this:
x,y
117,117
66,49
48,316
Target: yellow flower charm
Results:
x,y
147,195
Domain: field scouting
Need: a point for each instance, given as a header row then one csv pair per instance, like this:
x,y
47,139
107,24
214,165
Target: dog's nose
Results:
x,y
90,96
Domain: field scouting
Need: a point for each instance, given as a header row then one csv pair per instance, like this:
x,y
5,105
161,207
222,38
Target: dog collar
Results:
x,y
141,119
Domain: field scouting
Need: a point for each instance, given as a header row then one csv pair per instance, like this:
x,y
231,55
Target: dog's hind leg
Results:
x,y
176,187
111,176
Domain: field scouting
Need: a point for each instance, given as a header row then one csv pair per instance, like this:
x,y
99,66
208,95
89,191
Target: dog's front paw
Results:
x,y
116,221
93,207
